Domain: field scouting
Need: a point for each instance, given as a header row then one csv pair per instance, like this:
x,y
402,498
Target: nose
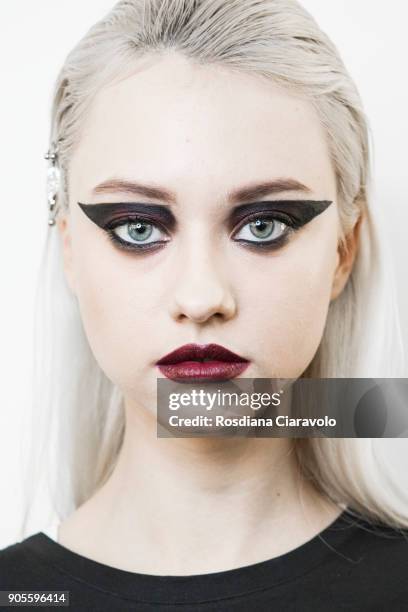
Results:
x,y
202,292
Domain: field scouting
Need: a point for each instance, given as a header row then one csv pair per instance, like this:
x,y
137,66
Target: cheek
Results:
x,y
292,298
116,295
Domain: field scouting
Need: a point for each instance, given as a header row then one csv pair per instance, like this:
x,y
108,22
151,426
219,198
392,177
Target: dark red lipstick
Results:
x,y
202,362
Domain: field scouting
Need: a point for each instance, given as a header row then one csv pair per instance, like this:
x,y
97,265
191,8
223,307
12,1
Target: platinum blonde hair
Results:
x,y
76,406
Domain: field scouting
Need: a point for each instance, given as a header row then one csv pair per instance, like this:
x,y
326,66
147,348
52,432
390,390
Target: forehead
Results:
x,y
190,126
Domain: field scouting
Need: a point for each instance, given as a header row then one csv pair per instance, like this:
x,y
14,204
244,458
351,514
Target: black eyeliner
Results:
x,y
267,245
106,215
294,213
129,246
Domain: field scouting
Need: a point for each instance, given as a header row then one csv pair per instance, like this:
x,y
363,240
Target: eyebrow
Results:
x,y
243,194
260,190
133,188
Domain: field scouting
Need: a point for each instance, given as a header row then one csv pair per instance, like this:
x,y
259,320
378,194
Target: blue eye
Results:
x,y
262,230
137,234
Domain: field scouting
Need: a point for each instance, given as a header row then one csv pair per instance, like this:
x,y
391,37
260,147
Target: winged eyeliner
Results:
x,y
105,214
295,213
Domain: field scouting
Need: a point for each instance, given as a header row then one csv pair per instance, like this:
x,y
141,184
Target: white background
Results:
x,y
35,37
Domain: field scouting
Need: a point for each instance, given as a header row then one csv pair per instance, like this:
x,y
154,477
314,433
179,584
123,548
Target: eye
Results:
x,y
137,233
263,230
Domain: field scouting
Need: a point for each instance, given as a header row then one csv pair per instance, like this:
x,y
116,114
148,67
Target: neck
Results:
x,y
235,500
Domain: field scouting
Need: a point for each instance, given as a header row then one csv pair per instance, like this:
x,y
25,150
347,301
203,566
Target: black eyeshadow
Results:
x,y
295,213
105,215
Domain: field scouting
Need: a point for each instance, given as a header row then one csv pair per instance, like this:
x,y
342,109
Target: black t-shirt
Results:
x,y
350,565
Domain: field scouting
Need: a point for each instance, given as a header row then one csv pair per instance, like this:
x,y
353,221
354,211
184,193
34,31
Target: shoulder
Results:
x,y
374,538
13,554
19,568
374,558
383,538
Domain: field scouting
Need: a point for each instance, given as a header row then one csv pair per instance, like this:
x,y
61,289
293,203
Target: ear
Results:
x,y
346,255
63,225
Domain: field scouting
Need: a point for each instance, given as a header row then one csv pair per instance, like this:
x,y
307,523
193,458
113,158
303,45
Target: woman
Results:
x,y
209,185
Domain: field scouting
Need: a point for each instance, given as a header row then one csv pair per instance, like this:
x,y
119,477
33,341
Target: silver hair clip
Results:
x,y
53,182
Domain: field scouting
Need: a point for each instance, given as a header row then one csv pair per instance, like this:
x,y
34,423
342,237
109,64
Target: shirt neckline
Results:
x,y
158,589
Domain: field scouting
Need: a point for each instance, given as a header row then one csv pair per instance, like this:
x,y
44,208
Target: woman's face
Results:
x,y
207,269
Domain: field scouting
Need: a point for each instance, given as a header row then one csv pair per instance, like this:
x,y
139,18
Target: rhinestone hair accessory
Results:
x,y
53,182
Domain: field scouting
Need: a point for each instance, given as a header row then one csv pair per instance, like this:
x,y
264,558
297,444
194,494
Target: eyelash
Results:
x,y
274,244
291,227
129,246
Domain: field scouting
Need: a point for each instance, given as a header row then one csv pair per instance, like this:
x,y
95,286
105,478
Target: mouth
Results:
x,y
202,362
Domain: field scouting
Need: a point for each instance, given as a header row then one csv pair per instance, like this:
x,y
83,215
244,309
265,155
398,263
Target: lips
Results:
x,y
195,363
